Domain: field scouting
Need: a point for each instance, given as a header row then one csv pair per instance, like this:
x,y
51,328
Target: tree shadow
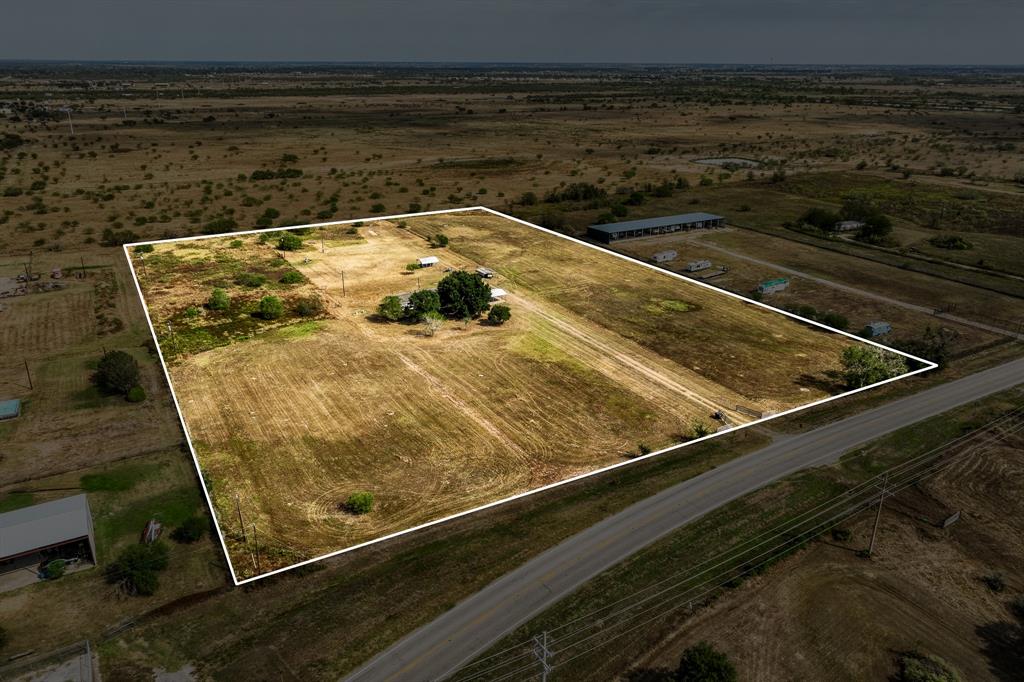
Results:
x,y
828,382
1003,645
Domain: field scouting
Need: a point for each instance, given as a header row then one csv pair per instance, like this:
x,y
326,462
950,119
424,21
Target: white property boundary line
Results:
x,y
927,366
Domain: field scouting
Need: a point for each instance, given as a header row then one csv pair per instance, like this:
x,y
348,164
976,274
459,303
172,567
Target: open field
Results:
x,y
602,357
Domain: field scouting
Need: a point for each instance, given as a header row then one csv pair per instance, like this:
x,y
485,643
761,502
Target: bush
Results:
x,y
866,365
359,503
236,243
117,238
954,242
310,306
144,248
390,308
994,582
292,277
463,295
136,394
917,667
191,530
289,242
439,240
55,569
219,300
271,308
117,372
703,663
250,279
841,534
499,314
135,570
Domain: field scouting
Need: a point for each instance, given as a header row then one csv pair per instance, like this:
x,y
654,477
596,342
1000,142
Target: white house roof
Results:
x,y
429,260
497,292
42,525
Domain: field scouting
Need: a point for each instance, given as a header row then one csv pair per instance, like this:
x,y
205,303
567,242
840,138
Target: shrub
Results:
x,y
432,323
994,582
952,241
135,569
117,238
644,449
439,240
144,248
410,267
292,277
499,314
219,300
236,243
136,394
359,503
841,534
55,569
191,529
918,667
191,311
289,242
250,279
463,295
310,306
863,366
390,308
117,372
271,308
704,663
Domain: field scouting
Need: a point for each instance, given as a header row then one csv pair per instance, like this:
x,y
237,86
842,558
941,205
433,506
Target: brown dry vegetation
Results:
x,y
288,423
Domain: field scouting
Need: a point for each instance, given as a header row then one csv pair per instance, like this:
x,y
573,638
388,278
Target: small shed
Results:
x,y
773,285
698,265
9,409
61,529
498,294
664,256
877,328
429,261
486,273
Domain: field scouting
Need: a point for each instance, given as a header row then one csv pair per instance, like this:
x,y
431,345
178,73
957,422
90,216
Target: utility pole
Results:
x,y
543,653
878,513
82,260
238,508
70,124
29,375
259,566
343,292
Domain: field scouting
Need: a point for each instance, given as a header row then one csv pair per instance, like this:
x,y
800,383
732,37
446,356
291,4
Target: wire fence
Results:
x,y
686,590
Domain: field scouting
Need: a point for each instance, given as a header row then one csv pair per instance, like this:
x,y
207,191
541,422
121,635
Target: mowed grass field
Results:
x,y
602,356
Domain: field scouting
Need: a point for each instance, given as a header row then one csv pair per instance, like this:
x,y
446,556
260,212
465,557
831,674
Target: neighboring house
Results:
x,y
664,256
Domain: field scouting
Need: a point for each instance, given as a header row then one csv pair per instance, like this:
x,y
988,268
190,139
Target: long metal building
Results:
x,y
632,229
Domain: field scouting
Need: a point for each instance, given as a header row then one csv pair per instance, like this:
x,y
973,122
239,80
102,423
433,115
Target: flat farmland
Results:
x,y
602,360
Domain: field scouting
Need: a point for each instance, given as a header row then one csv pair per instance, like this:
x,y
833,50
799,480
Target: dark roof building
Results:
x,y
58,529
632,229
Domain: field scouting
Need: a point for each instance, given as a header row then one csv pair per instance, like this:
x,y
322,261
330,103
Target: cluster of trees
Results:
x,y
701,662
877,226
831,318
935,344
951,241
866,365
439,241
289,242
111,237
459,296
117,373
271,307
278,174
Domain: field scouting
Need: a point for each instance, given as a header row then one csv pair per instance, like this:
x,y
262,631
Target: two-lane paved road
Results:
x,y
436,649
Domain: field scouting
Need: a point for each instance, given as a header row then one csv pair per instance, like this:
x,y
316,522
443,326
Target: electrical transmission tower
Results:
x,y
543,654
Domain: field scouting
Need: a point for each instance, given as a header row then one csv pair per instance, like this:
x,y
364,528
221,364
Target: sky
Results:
x,y
626,31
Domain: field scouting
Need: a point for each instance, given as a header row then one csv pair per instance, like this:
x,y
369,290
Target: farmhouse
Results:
x,y
61,529
877,328
9,409
698,265
486,273
848,226
664,256
428,261
648,227
773,285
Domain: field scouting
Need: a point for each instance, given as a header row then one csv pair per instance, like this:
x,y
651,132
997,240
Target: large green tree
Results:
x,y
463,295
423,302
390,308
117,372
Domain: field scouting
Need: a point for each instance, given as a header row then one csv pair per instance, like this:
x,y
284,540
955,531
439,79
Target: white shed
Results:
x,y
497,294
428,261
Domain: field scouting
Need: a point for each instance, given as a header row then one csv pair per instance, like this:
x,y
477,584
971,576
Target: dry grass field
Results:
x,y
602,358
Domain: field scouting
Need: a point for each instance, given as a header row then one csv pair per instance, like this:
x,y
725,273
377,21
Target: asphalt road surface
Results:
x,y
438,648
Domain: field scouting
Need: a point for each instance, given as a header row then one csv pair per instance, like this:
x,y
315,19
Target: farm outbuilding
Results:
x,y
877,328
61,529
428,261
664,256
698,265
486,273
773,285
498,294
848,226
633,229
9,409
